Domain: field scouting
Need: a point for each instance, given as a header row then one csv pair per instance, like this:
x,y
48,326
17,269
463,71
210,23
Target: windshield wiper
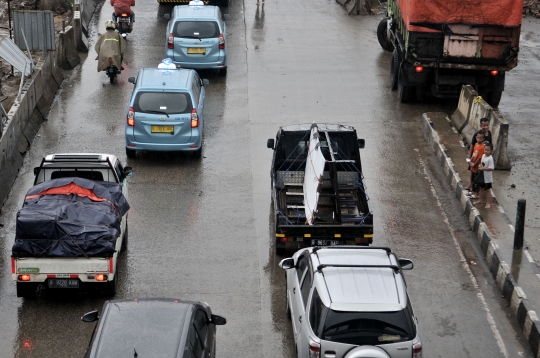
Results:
x,y
192,37
157,112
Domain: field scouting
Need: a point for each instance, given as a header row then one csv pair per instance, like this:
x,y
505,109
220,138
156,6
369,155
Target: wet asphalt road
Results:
x,y
201,230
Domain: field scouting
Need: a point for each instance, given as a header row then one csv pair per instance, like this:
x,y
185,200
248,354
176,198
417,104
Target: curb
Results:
x,y
517,299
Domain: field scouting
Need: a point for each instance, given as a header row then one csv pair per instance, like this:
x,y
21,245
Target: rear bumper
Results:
x,y
157,147
222,63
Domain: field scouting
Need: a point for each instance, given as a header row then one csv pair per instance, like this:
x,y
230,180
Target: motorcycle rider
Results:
x,y
123,7
110,48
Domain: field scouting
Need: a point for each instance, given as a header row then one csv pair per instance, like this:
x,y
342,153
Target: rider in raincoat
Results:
x,y
110,48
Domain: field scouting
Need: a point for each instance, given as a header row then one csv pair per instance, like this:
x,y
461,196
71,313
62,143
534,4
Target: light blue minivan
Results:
x,y
165,111
196,38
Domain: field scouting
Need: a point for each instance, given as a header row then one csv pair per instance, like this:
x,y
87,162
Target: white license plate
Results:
x,y
315,242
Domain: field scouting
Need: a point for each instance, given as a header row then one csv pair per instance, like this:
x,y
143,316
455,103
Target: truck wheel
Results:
x,y
493,98
26,289
125,239
130,153
110,289
395,64
406,94
382,35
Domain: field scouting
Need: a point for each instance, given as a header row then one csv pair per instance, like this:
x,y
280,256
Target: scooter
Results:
x,y
112,71
123,24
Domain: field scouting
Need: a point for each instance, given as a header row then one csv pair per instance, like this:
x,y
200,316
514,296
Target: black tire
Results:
x,y
280,251
111,286
406,94
395,64
26,289
223,71
198,153
224,3
125,238
131,153
382,35
111,78
288,309
493,98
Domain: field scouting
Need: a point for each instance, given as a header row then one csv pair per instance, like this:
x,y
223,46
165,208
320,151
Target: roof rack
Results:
x,y
387,249
393,267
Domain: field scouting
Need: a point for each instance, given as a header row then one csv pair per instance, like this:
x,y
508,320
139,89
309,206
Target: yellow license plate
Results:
x,y
196,50
162,129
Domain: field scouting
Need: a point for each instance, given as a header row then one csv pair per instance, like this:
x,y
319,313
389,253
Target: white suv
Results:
x,y
350,302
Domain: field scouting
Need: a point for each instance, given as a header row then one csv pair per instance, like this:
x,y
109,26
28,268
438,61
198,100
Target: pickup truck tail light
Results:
x,y
12,265
314,349
101,277
24,277
170,41
194,118
131,117
221,42
494,73
417,350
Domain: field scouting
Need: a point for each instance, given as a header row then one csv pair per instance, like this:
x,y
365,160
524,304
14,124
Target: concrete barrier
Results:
x,y
24,120
81,42
67,51
466,119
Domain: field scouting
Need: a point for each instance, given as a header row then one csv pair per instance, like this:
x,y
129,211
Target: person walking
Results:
x,y
487,166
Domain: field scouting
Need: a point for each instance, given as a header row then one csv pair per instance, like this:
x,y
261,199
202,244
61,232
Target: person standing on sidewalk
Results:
x,y
487,166
474,163
484,128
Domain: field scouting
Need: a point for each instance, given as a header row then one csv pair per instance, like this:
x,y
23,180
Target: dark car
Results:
x,y
153,327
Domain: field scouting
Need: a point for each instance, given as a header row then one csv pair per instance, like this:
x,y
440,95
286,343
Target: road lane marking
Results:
x,y
512,227
529,257
464,264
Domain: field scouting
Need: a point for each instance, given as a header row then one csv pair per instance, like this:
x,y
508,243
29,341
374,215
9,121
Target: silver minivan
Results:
x,y
196,38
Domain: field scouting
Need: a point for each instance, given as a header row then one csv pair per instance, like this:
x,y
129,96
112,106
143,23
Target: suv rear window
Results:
x,y
167,102
368,328
197,29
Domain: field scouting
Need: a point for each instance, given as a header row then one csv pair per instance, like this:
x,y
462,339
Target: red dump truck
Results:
x,y
440,45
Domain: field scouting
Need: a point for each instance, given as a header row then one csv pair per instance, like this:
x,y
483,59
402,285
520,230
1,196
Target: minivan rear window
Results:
x,y
368,328
167,102
197,29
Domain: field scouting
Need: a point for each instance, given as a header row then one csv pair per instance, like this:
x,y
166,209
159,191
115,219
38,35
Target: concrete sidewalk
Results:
x,y
515,272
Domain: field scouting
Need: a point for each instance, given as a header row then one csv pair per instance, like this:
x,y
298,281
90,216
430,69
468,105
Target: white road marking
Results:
x,y
529,257
501,209
538,276
489,316
512,227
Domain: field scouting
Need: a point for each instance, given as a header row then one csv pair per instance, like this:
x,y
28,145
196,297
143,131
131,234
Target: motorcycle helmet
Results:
x,y
109,24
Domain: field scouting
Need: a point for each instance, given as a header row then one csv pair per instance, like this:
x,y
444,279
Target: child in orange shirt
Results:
x,y
474,162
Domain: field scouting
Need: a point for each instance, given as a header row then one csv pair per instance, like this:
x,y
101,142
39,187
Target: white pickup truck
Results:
x,y
73,225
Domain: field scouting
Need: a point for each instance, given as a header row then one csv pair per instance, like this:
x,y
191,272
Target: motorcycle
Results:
x,y
112,71
123,24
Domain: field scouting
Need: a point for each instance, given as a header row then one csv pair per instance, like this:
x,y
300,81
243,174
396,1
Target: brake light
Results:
x,y
124,15
221,42
417,349
283,239
101,277
131,117
24,277
419,69
111,268
170,41
494,73
12,264
314,349
194,119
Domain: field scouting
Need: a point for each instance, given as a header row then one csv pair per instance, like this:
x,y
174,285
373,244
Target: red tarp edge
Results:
x,y
71,188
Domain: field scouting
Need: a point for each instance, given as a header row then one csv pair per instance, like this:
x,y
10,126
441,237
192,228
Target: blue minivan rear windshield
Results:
x,y
197,29
165,102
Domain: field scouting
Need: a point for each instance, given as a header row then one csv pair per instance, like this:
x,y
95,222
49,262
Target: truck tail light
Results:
x,y
24,277
12,264
494,73
170,41
194,119
417,350
283,239
314,349
419,69
221,42
111,266
131,117
101,277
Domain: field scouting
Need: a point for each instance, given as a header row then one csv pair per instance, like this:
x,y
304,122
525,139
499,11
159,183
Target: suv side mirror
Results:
x,y
225,17
270,143
128,171
361,143
131,80
287,264
91,316
167,16
205,81
218,320
406,264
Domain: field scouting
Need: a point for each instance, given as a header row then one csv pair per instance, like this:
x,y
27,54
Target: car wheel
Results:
x,y
198,153
382,35
395,64
223,71
131,153
406,94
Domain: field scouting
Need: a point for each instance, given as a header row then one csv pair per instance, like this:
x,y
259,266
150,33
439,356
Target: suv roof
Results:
x,y
195,12
359,279
153,78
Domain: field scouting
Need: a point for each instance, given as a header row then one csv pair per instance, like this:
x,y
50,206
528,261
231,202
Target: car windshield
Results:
x,y
163,102
197,29
368,328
